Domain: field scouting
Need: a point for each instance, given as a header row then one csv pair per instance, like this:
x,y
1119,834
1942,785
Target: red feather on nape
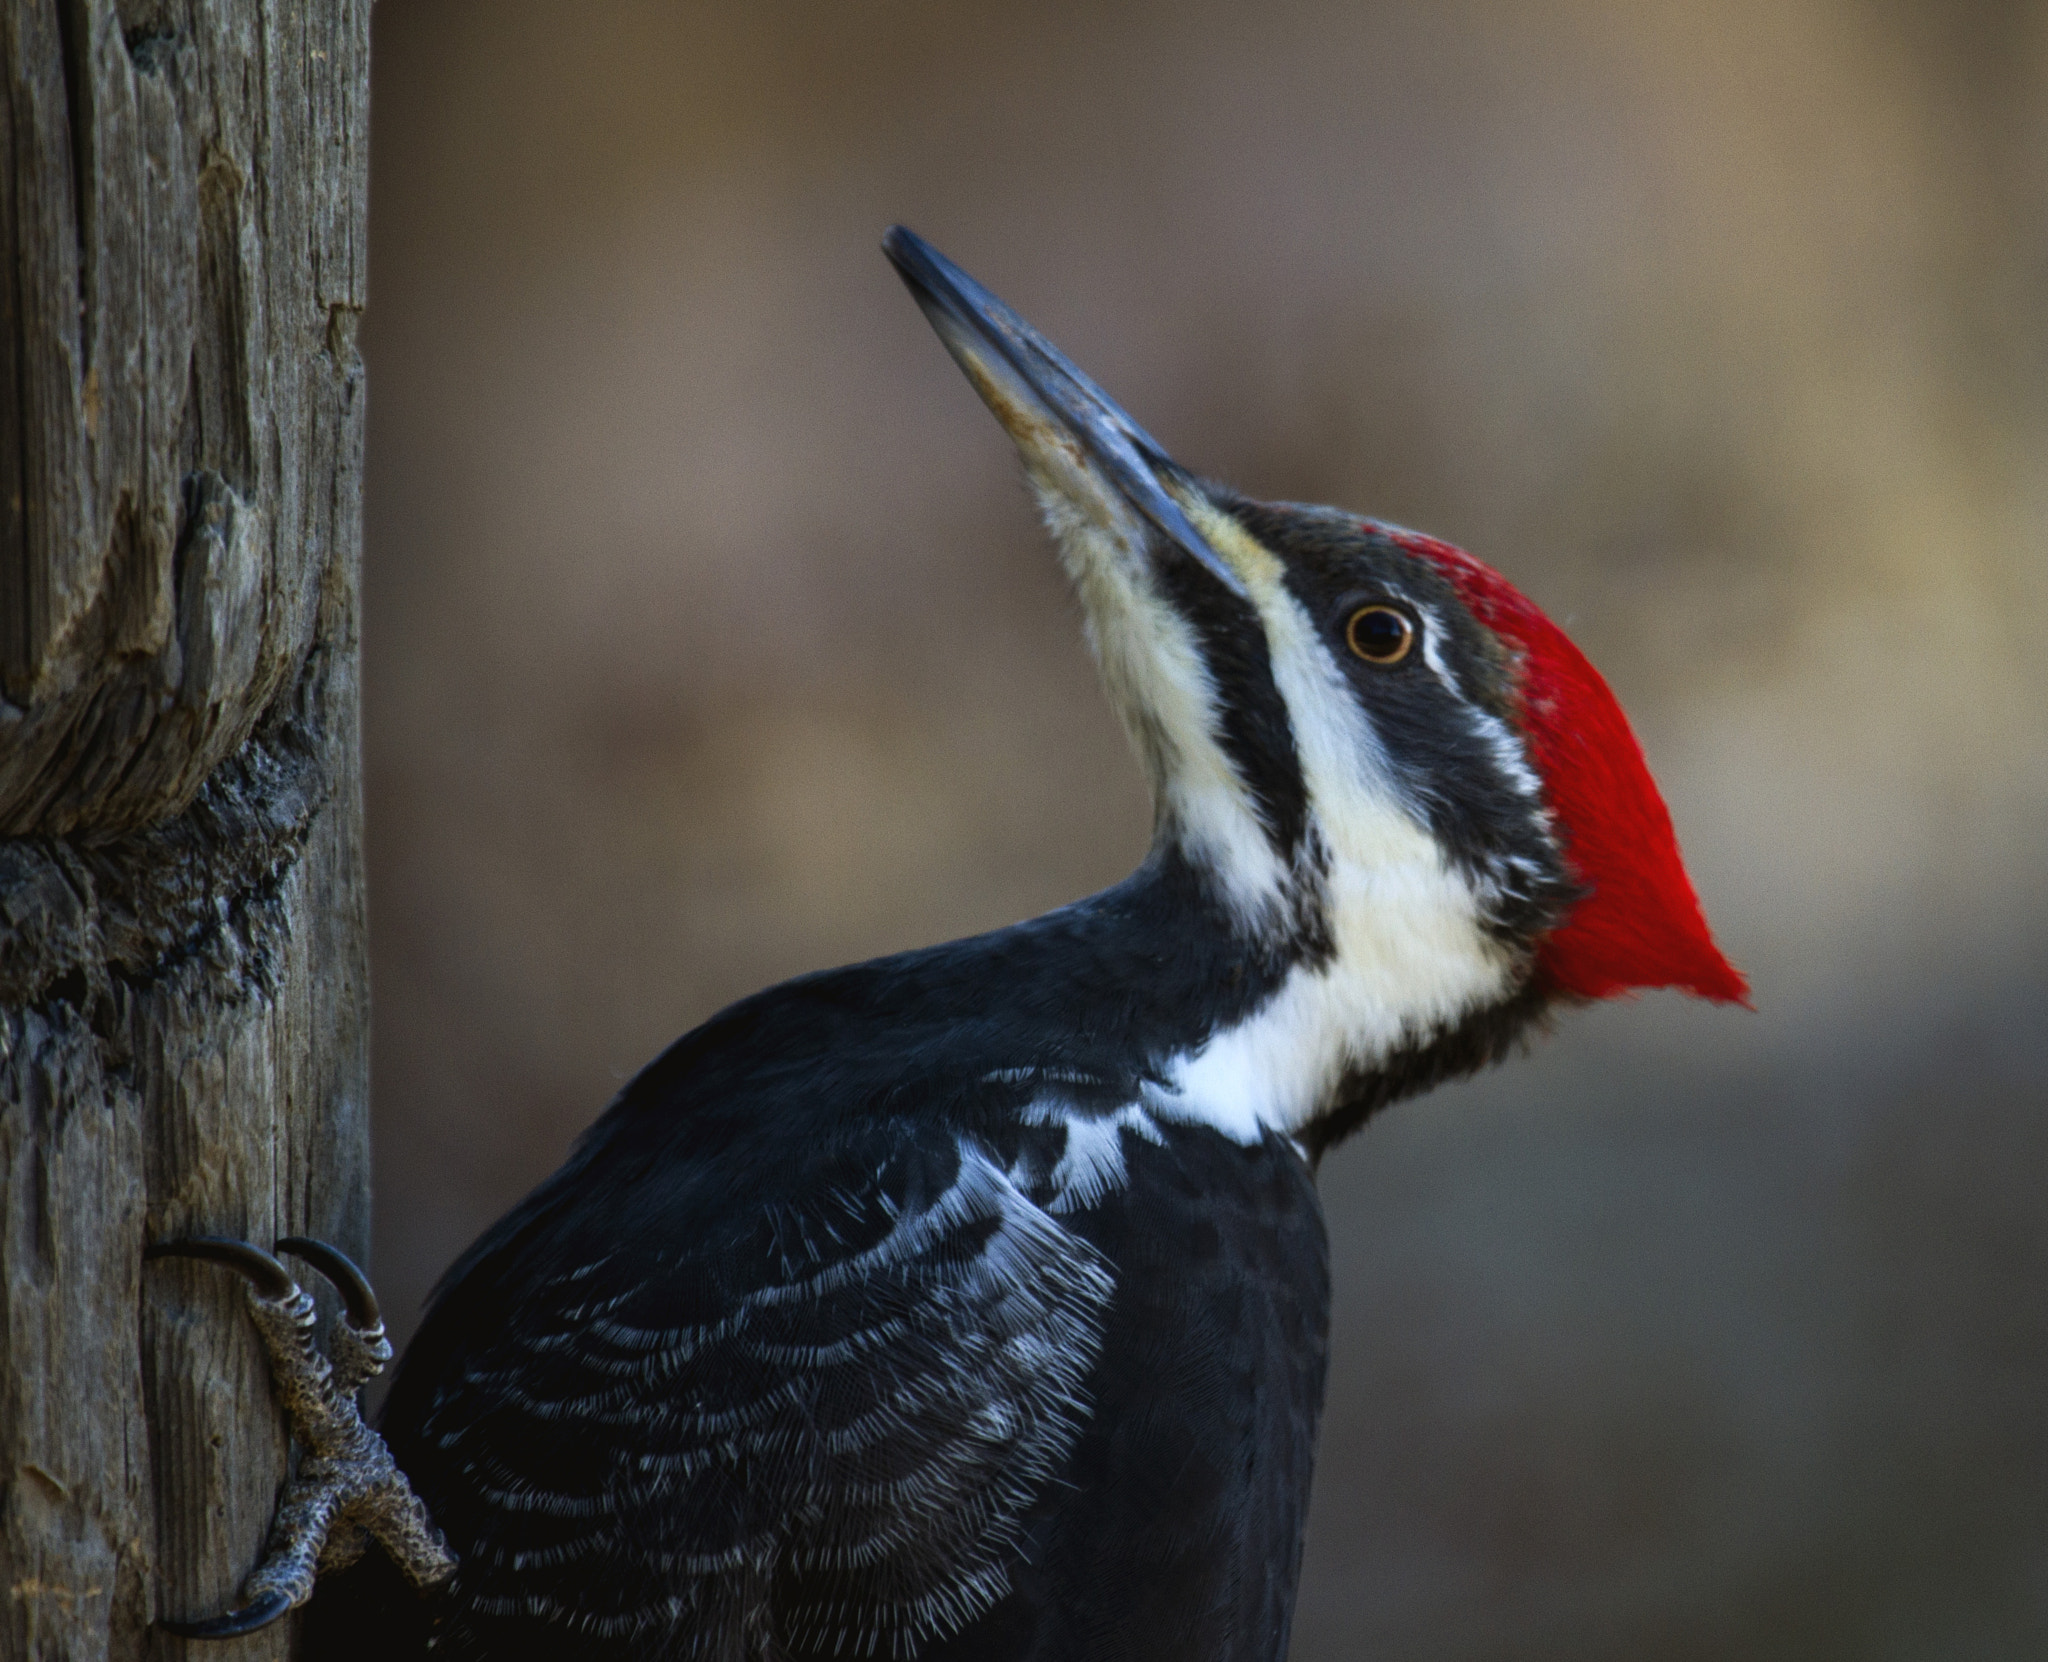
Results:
x,y
1640,925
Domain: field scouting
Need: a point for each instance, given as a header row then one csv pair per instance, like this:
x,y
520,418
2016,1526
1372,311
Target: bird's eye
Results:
x,y
1380,634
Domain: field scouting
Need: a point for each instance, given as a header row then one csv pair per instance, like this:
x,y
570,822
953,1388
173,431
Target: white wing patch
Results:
x,y
1092,1164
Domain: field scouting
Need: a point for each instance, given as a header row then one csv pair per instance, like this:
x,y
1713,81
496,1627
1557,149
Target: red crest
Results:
x,y
1640,925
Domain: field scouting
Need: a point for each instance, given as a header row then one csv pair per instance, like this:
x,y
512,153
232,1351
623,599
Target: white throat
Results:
x,y
1160,686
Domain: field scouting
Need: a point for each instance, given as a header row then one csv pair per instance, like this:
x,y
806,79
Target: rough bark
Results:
x,y
182,981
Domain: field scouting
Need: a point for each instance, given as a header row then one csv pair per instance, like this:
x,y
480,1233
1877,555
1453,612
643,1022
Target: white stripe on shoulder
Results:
x,y
1092,1163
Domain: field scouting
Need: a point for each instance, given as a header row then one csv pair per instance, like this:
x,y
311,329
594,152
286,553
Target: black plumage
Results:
x,y
815,1348
973,1303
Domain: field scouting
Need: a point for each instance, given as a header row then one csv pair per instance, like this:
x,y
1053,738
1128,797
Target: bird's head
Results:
x,y
1374,748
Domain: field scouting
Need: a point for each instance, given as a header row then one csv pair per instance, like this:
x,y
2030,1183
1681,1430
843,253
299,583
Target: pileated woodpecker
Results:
x,y
972,1303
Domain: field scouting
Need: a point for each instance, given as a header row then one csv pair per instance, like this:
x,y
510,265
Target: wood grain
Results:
x,y
183,993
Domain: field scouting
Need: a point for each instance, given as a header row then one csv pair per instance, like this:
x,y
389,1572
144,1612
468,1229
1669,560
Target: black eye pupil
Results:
x,y
1379,633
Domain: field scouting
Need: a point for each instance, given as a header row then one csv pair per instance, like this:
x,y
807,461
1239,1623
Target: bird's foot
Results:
x,y
348,1490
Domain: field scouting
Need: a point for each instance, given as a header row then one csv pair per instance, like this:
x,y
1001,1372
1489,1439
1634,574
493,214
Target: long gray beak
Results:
x,y
1003,355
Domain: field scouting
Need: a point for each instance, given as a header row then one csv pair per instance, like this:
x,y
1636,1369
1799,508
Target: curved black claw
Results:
x,y
258,1614
357,1297
270,1278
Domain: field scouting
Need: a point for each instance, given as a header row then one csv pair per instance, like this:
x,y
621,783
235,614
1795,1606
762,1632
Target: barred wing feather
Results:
x,y
835,1459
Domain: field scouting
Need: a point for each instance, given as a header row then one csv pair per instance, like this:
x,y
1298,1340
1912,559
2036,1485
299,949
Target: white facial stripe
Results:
x,y
1508,755
1433,647
1410,961
1412,955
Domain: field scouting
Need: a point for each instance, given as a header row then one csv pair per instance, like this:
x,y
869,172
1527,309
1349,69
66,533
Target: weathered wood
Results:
x,y
183,1012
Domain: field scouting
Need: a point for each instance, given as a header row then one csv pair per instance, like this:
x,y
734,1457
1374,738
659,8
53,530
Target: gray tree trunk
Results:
x,y
183,1000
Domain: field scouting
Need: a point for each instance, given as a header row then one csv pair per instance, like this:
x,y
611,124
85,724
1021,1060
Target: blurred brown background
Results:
x,y
710,639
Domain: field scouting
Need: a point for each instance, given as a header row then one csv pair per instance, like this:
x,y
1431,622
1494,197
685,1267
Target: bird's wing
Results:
x,y
841,1444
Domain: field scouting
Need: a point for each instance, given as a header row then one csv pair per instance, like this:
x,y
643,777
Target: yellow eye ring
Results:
x,y
1380,635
